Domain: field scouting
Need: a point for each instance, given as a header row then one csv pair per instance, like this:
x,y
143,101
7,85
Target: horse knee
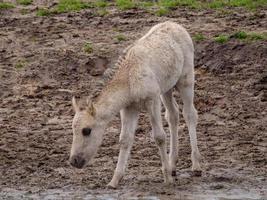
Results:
x,y
172,117
160,139
190,114
125,142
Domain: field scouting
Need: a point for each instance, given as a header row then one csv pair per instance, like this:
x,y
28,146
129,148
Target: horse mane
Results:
x,y
109,73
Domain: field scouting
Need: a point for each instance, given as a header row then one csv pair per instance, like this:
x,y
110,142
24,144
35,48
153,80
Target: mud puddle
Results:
x,y
233,194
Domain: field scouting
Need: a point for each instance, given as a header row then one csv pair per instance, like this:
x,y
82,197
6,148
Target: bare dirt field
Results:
x,y
43,64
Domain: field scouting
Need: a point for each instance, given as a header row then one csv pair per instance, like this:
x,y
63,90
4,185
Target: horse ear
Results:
x,y
75,105
90,107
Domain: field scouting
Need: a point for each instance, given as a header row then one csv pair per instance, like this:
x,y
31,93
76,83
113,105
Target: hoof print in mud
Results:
x,y
173,173
197,173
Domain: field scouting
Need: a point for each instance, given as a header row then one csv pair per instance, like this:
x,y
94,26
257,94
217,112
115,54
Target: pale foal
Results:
x,y
154,65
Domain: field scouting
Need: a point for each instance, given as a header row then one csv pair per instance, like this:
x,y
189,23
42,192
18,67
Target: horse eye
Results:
x,y
86,131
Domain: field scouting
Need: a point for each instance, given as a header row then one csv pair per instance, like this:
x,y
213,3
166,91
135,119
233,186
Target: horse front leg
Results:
x,y
129,118
154,108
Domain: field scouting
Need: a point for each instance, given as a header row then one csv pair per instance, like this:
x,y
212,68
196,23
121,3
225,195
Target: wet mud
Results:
x,y
43,64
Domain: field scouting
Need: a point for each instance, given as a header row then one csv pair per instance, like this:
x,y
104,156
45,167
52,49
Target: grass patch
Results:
x,y
240,35
88,47
20,64
64,6
24,2
101,3
258,36
120,37
24,11
250,4
221,38
145,4
168,4
102,12
164,6
214,4
171,4
199,37
5,6
70,5
42,12
161,11
125,4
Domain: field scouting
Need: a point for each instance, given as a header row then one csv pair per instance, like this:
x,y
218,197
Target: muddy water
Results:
x,y
233,194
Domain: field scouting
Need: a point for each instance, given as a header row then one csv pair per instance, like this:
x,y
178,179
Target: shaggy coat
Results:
x,y
155,64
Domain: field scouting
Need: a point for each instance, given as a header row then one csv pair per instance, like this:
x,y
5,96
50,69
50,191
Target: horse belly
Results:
x,y
168,81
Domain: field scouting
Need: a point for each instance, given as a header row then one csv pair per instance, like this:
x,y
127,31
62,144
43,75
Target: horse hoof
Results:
x,y
173,173
197,173
111,186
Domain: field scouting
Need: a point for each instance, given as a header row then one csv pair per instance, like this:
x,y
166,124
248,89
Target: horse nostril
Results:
x,y
72,162
77,161
82,162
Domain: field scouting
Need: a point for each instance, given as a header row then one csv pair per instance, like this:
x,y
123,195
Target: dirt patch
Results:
x,y
248,62
43,65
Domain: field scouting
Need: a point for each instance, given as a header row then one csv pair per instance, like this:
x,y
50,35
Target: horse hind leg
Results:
x,y
172,117
186,89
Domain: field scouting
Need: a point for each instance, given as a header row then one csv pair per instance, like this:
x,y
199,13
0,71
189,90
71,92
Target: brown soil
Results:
x,y
43,64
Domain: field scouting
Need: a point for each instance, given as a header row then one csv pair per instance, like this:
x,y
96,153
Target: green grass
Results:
x,y
216,4
88,47
165,5
24,2
120,37
102,12
250,4
168,4
258,36
5,6
242,35
42,12
145,4
171,4
213,4
199,37
64,6
221,38
20,64
125,4
162,7
161,11
24,11
101,3
70,5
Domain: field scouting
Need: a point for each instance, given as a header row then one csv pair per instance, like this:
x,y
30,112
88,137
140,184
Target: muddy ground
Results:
x,y
43,64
